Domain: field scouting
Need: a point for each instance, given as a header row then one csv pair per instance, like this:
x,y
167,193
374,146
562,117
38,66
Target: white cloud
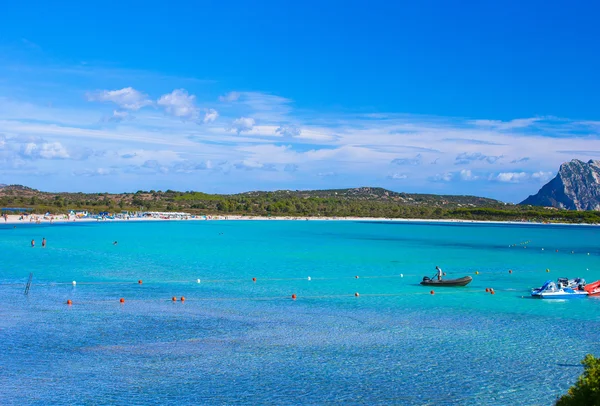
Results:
x,y
262,128
210,116
466,174
252,165
517,177
95,172
119,116
315,135
188,166
507,125
155,165
466,157
126,98
243,124
443,177
230,97
513,177
542,176
409,161
263,106
47,150
180,104
288,131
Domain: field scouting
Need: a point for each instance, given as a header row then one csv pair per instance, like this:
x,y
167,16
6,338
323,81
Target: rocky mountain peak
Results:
x,y
575,187
594,162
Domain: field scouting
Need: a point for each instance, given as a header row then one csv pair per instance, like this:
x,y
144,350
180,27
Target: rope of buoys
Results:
x,y
254,279
198,281
524,244
293,296
75,283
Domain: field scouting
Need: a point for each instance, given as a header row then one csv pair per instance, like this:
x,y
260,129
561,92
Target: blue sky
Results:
x,y
484,98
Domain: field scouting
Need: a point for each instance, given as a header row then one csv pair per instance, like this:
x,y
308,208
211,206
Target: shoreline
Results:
x,y
14,219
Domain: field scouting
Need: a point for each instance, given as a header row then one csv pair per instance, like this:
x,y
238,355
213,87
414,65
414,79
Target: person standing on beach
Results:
x,y
43,242
32,243
439,273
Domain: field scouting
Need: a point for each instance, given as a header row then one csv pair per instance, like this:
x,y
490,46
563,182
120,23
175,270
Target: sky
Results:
x,y
448,97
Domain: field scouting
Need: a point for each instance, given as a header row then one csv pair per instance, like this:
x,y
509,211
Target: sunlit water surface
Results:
x,y
235,341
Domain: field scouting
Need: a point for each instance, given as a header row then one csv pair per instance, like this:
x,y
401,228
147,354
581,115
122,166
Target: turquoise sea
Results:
x,y
235,341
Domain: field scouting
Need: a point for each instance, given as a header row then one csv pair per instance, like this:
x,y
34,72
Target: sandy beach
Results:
x,y
15,219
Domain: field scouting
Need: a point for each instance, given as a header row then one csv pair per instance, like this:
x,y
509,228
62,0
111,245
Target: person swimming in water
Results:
x,y
115,243
32,243
44,242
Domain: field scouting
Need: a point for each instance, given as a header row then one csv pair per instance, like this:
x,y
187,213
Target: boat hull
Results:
x,y
560,295
593,288
448,282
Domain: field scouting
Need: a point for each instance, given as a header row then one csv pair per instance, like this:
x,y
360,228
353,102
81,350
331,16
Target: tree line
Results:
x,y
278,204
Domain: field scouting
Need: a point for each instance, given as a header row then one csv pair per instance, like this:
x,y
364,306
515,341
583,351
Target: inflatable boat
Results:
x,y
465,280
593,289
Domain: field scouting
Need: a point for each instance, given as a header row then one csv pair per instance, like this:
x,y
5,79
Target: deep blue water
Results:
x,y
234,341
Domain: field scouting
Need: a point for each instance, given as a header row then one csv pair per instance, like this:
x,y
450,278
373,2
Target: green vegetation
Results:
x,y
358,202
586,391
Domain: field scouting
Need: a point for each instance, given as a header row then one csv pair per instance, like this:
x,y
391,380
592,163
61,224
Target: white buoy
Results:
x,y
309,278
198,280
74,283
542,249
402,275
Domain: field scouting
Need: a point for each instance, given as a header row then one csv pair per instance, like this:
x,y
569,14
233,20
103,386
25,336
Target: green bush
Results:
x,y
586,391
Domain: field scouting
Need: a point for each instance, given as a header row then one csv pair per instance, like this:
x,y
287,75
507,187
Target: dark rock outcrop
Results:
x,y
575,187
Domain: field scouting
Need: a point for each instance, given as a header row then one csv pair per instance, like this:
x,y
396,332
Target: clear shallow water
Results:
x,y
237,342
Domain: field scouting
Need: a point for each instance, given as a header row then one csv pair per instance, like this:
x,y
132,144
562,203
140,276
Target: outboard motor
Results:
x,y
426,279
